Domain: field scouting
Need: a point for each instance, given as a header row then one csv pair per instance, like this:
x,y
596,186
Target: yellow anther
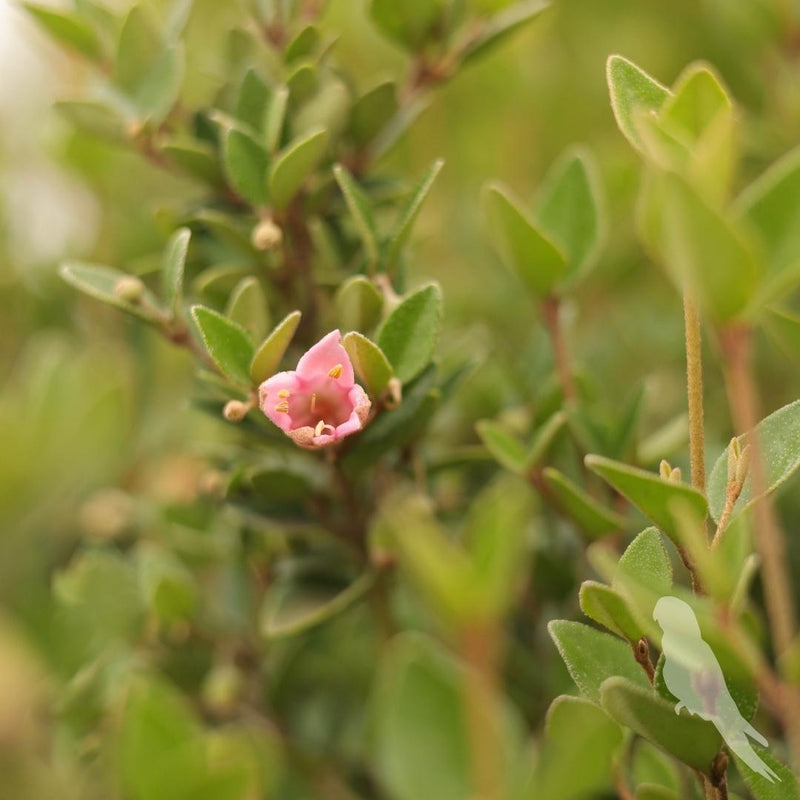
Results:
x,y
313,403
284,393
335,372
320,427
283,407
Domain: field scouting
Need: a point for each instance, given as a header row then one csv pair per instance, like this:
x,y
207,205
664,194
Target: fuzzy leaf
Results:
x,y
590,516
785,788
647,491
227,343
269,354
247,307
274,118
294,164
632,90
292,609
359,304
696,101
779,440
567,209
195,157
101,282
369,362
67,28
592,657
372,112
138,50
246,163
421,748
359,206
410,23
502,25
251,104
690,739
172,268
771,205
408,336
409,215
646,560
537,260
575,725
609,608
503,445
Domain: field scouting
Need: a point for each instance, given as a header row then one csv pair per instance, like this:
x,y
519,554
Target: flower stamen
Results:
x,y
335,371
284,393
282,407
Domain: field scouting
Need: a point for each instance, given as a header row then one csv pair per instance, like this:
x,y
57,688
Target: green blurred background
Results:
x,y
94,410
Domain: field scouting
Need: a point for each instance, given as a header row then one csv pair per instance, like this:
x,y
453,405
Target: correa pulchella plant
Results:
x,y
320,510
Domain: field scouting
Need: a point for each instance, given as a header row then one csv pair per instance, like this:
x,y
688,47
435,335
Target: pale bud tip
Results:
x,y
129,288
266,235
235,410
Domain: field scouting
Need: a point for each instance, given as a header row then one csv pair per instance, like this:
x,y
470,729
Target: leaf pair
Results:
x,y
554,246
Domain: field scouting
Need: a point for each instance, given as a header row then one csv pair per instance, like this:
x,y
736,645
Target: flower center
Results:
x,y
322,403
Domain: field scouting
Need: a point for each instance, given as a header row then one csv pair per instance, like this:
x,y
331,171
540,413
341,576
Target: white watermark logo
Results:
x,y
693,675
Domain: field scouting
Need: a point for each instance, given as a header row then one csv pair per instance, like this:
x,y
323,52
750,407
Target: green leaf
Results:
x,y
160,750
501,26
409,215
195,157
359,206
420,743
409,334
609,608
372,112
784,329
590,516
172,268
567,209
503,445
246,164
696,101
690,739
251,104
703,252
102,282
779,442
543,440
227,343
592,656
497,538
785,788
410,24
397,427
169,588
303,44
632,90
67,28
274,118
536,259
651,495
771,205
294,164
247,307
160,87
98,119
269,354
290,609
140,46
575,725
369,362
358,304
646,560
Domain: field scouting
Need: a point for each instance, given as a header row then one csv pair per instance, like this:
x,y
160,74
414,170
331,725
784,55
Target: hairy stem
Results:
x,y
551,308
694,386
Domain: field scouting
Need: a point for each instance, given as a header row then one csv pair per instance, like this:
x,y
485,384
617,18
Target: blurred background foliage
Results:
x,y
101,445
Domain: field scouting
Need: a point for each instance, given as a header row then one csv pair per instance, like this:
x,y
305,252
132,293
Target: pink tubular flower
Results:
x,y
318,403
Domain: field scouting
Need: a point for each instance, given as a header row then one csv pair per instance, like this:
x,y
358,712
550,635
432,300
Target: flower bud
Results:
x,y
235,410
733,459
742,465
266,235
664,469
395,393
130,289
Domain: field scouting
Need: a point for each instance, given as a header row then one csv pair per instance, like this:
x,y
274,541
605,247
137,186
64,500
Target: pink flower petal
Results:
x,y
326,355
270,397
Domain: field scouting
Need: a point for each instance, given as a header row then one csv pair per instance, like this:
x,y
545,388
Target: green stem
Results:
x,y
694,386
551,315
